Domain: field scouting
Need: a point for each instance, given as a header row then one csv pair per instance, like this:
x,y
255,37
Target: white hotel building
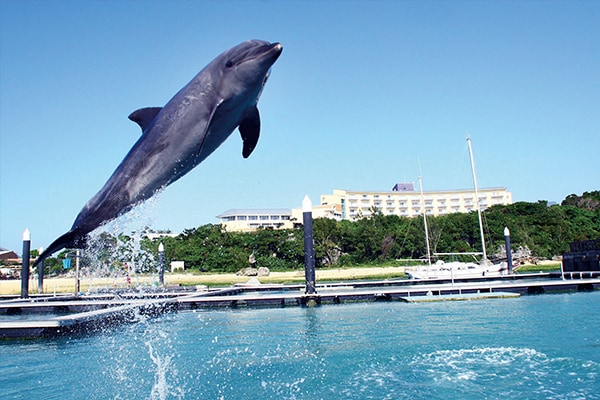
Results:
x,y
403,201
245,219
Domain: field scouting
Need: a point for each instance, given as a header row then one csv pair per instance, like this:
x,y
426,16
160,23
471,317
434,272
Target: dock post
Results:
x,y
77,280
40,272
161,264
25,264
509,262
309,247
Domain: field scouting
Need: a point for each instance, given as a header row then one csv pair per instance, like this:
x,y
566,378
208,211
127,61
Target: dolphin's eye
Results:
x,y
229,64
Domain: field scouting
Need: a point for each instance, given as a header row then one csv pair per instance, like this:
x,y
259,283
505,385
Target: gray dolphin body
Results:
x,y
180,135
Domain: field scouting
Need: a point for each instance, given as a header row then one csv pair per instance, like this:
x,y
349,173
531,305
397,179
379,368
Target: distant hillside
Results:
x,y
588,200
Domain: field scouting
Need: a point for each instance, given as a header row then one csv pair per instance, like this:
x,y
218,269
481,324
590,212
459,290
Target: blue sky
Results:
x,y
363,93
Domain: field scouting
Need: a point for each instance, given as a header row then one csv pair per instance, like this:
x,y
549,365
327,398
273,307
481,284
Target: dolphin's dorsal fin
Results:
x,y
144,116
250,131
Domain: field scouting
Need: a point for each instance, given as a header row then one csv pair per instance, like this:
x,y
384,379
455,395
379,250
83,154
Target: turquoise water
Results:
x,y
533,347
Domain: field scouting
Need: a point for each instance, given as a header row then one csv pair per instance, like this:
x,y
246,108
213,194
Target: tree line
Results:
x,y
545,229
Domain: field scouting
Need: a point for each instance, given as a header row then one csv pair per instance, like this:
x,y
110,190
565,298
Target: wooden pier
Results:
x,y
50,316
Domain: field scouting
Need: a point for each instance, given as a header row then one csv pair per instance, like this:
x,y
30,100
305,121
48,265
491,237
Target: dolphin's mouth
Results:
x,y
262,50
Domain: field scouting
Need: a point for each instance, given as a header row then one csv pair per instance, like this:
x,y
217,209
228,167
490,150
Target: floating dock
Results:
x,y
51,316
459,297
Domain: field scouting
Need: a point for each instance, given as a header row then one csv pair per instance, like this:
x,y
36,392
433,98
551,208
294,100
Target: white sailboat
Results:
x,y
457,269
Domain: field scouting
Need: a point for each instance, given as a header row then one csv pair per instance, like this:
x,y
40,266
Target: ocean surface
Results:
x,y
533,347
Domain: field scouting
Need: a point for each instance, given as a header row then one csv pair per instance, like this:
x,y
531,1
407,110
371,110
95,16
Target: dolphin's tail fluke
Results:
x,y
73,238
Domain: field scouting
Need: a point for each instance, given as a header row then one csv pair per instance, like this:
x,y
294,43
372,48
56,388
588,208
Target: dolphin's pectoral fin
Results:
x,y
144,116
250,131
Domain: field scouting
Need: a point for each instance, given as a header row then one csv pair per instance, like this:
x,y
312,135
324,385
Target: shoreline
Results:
x,y
67,284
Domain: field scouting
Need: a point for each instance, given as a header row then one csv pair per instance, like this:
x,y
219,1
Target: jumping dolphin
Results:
x,y
180,135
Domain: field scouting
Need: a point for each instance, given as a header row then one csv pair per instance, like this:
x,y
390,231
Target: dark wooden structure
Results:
x,y
583,257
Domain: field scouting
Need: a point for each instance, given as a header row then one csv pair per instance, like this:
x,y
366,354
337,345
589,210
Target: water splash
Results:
x,y
115,249
143,367
165,374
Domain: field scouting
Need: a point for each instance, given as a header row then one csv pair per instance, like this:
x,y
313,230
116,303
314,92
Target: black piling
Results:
x,y
161,264
309,247
509,261
40,273
25,265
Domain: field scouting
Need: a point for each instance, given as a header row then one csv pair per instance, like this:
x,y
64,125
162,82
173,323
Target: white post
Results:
x,y
477,199
425,222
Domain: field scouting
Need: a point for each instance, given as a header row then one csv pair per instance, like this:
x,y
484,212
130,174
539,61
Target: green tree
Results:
x,y
588,200
327,236
546,230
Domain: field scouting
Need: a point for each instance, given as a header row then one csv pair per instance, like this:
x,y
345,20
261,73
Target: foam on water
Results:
x,y
502,372
507,369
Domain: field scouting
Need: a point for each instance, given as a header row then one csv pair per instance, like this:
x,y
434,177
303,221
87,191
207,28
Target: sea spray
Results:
x,y
160,351
115,249
144,365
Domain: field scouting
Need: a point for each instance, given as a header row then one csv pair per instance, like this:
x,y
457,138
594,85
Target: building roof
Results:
x,y
7,254
450,191
255,211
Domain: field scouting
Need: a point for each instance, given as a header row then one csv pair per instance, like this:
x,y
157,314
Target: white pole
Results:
x,y
425,222
477,199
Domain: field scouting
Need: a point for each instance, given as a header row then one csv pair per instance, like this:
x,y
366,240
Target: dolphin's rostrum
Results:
x,y
177,137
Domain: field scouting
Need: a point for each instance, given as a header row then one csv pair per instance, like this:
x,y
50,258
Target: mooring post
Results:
x,y
40,273
161,264
25,264
77,281
509,261
309,247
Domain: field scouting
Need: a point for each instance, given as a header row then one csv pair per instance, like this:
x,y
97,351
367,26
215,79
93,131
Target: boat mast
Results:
x,y
425,221
477,198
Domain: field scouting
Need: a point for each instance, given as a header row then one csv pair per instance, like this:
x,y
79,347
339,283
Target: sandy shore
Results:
x,y
67,285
